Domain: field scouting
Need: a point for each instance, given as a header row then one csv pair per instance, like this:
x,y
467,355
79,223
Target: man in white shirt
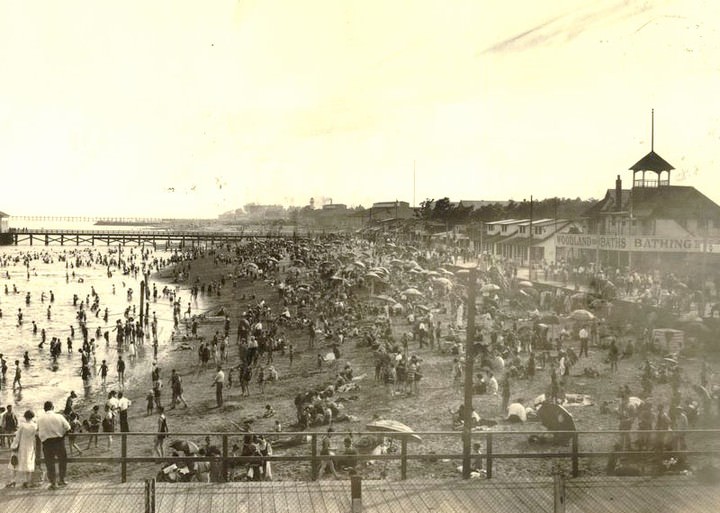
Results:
x,y
219,383
584,339
123,405
52,428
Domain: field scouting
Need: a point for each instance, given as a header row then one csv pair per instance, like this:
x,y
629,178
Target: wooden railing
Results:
x,y
568,449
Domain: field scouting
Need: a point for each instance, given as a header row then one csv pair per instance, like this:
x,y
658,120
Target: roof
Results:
x,y
652,162
508,222
673,202
539,222
3,214
607,205
669,202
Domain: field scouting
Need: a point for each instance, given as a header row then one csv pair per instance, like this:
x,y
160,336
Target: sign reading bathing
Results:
x,y
640,243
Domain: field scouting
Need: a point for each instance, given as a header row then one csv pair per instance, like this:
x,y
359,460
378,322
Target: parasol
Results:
x,y
581,315
550,319
517,411
489,287
386,299
393,427
411,292
186,446
555,418
702,391
525,283
444,282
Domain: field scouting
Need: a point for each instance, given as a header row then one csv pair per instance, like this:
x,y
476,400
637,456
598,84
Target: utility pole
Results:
x,y
469,360
142,303
530,236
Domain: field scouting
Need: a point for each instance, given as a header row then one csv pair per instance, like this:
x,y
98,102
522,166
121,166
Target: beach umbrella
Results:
x,y
462,272
530,292
525,283
516,411
635,402
489,287
358,263
397,307
186,446
555,418
411,292
444,271
444,282
702,391
384,299
550,319
581,315
393,427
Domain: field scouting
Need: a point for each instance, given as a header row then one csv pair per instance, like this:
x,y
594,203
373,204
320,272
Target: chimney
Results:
x,y
618,194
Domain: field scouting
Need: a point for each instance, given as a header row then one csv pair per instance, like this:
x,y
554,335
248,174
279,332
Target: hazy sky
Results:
x,y
188,109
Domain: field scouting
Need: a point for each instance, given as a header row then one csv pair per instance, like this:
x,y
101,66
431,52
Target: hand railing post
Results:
x,y
575,470
225,458
150,495
123,458
403,459
313,459
488,451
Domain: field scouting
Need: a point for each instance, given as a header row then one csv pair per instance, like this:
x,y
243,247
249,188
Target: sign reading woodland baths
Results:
x,y
639,243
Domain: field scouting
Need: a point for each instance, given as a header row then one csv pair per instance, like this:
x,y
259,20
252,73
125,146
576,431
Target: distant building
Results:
x,y
524,240
385,210
4,228
5,236
477,204
336,216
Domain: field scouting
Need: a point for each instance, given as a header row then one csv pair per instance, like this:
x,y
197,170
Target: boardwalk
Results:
x,y
641,495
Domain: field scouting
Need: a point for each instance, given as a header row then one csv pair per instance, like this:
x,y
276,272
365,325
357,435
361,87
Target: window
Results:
x,y
539,230
504,228
522,229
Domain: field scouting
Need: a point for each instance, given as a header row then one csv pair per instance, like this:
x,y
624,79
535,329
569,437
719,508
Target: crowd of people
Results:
x,y
398,304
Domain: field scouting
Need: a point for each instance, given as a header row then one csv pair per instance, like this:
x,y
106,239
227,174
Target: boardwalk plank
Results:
x,y
641,495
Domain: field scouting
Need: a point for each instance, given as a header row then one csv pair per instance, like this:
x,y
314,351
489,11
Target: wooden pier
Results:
x,y
175,238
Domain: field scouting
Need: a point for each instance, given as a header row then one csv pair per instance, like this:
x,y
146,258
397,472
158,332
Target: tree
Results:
x,y
425,210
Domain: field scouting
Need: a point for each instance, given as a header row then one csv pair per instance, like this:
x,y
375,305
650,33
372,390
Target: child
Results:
x,y
150,398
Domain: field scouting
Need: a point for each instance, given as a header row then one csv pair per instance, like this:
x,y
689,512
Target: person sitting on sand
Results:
x,y
269,412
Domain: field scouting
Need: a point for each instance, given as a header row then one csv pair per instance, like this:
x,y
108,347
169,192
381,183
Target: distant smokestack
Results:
x,y
618,193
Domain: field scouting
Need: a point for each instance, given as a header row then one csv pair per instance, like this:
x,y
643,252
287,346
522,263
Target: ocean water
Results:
x,y
41,380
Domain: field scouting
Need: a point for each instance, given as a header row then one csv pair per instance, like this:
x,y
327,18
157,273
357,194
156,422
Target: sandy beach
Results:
x,y
427,410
